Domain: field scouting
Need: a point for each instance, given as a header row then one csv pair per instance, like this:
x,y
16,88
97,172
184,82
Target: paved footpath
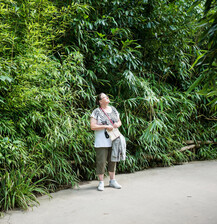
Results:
x,y
184,194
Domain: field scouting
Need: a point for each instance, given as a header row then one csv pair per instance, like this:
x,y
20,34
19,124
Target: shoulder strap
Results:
x,y
107,115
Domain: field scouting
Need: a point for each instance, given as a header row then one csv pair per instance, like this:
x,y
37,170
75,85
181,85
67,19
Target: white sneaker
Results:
x,y
114,183
101,186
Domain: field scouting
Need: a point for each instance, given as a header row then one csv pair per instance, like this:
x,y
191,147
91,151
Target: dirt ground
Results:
x,y
184,194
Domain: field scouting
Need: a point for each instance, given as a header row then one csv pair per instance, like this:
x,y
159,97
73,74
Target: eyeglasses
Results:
x,y
104,97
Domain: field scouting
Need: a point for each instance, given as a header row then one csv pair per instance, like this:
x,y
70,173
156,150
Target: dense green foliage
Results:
x,y
207,57
55,56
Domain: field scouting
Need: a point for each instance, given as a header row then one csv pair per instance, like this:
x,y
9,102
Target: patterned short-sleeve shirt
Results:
x,y
102,119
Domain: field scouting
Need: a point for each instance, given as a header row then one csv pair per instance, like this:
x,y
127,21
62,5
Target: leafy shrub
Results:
x,y
56,56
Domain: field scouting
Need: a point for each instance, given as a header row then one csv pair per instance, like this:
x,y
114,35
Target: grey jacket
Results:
x,y
118,149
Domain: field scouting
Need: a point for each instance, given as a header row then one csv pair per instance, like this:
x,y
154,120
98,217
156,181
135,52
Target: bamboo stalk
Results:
x,y
189,142
188,147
